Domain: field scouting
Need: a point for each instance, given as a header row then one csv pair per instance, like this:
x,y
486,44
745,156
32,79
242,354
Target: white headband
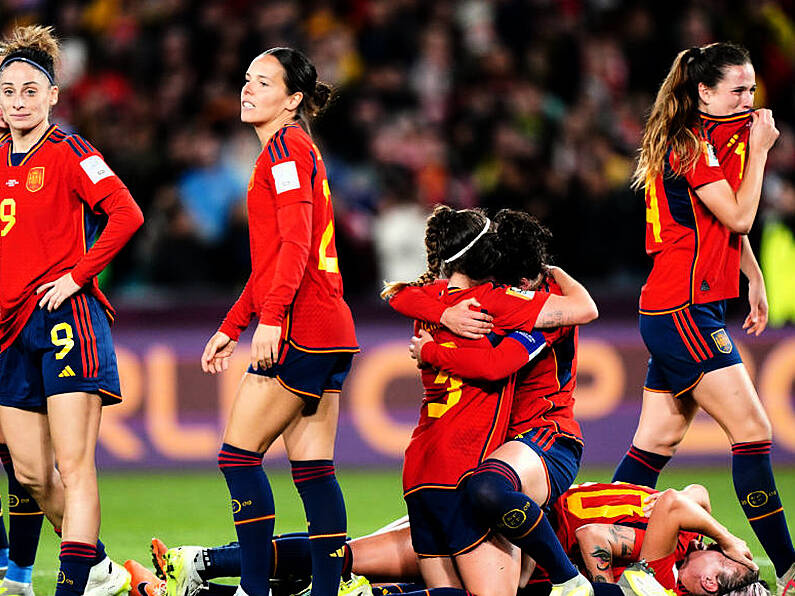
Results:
x,y
471,244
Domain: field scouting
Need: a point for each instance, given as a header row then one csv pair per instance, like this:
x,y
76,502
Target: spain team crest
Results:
x,y
35,180
722,341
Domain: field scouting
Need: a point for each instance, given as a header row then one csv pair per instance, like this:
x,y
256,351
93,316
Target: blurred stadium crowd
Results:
x,y
533,104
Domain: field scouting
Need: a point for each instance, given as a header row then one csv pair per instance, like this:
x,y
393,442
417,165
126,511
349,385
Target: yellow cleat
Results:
x,y
638,580
576,586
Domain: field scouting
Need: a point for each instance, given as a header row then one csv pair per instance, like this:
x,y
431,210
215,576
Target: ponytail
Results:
x,y
675,110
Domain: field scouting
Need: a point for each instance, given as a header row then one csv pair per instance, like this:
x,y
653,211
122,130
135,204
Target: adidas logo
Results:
x,y
340,552
67,372
704,286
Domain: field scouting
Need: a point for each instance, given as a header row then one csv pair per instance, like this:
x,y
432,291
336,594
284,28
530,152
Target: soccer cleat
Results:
x,y
182,566
638,580
785,585
144,582
358,585
159,550
576,586
107,578
11,588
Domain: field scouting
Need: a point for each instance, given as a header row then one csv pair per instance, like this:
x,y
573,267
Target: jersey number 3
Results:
x,y
327,255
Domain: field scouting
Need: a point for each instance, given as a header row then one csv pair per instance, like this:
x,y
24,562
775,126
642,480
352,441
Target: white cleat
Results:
x,y
11,588
107,578
182,570
576,586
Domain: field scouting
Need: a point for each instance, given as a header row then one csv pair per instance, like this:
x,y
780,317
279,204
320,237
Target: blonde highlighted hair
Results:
x,y
674,114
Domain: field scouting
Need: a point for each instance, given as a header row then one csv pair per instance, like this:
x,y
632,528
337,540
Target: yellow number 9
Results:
x,y
8,215
66,343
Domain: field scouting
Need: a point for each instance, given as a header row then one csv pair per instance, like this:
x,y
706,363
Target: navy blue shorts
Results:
x,y
561,458
309,374
443,522
685,345
67,350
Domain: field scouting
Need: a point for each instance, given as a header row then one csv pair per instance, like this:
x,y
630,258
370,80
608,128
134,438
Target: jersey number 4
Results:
x,y
653,209
8,215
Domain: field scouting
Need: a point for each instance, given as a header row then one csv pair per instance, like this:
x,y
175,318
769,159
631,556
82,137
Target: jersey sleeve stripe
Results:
x,y
270,153
80,143
74,147
283,144
314,169
85,142
276,148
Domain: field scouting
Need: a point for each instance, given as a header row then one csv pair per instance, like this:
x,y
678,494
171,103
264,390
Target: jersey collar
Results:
x,y
729,118
32,150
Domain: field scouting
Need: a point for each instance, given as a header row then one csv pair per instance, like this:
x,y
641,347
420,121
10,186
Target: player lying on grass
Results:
x,y
604,527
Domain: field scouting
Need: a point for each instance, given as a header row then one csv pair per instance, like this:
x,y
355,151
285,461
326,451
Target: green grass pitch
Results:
x,y
192,508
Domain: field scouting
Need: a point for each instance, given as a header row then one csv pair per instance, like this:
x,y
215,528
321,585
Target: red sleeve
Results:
x,y
706,169
420,302
92,178
295,232
513,308
240,315
664,571
490,364
291,176
124,218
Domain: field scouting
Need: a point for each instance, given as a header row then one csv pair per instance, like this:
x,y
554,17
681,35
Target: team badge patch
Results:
x,y
520,293
722,341
35,180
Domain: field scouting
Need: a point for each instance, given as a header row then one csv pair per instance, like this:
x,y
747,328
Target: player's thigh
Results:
x,y
313,437
261,411
664,420
728,395
439,572
74,425
27,435
528,465
385,555
491,569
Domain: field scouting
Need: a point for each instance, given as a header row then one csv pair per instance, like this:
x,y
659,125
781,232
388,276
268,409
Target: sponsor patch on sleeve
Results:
x,y
285,177
96,168
520,293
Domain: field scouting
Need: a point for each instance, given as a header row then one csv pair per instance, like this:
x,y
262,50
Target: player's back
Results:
x,y
544,387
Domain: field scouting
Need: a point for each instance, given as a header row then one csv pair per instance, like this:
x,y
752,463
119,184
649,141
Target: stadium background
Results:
x,y
533,104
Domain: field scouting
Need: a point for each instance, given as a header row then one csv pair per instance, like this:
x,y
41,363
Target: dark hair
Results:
x,y
523,243
447,232
675,109
300,75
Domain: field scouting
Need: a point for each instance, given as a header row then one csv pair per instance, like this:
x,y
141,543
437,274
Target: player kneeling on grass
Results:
x,y
634,523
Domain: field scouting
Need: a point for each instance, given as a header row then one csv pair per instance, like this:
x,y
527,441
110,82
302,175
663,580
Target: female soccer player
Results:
x,y
702,161
304,341
541,457
462,422
57,364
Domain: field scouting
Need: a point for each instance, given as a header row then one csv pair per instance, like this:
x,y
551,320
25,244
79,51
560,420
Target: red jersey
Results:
x,y
49,216
618,503
696,258
462,423
543,397
295,279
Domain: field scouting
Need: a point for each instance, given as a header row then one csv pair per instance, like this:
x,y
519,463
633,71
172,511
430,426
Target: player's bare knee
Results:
x,y
75,471
36,482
